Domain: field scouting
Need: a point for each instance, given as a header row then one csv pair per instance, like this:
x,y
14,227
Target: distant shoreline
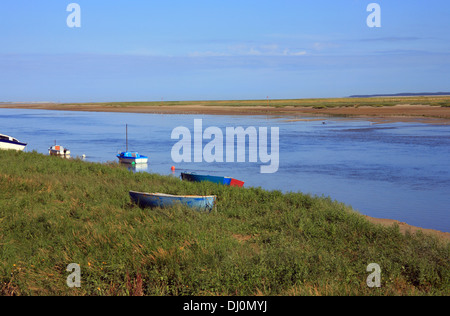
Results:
x,y
404,94
381,110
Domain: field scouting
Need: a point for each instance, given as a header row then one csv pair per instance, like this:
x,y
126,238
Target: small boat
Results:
x,y
201,202
60,151
8,142
216,179
131,157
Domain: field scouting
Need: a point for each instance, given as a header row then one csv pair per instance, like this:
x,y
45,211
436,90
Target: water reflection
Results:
x,y
139,167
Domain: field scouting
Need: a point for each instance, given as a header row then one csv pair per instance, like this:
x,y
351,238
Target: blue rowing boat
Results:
x,y
216,179
200,202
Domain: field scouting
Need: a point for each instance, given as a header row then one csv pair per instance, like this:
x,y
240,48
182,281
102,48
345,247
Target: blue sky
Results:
x,y
215,50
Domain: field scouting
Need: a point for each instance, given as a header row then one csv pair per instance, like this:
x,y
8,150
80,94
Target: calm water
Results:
x,y
397,170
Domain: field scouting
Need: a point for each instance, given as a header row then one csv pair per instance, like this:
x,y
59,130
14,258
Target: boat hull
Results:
x,y
132,158
10,143
12,146
236,183
162,200
221,180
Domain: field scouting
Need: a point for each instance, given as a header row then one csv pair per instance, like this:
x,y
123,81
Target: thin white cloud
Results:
x,y
299,53
325,45
208,54
250,50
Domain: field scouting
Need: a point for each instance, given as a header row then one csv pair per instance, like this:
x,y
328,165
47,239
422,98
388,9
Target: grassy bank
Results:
x,y
319,103
54,212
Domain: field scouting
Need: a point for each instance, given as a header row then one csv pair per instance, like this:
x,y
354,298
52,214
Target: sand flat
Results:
x,y
396,113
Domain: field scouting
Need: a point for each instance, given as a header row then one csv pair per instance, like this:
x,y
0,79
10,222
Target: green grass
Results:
x,y
54,212
443,101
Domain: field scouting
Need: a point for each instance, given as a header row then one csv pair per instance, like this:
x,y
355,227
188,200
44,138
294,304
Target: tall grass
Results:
x,y
54,212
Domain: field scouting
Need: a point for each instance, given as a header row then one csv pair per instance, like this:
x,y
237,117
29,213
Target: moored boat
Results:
x,y
131,157
216,179
8,142
162,200
60,151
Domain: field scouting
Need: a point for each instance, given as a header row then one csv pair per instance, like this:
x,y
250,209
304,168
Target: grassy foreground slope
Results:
x,y
54,212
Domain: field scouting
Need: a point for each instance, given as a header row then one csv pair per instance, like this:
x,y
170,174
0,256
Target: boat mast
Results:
x,y
126,135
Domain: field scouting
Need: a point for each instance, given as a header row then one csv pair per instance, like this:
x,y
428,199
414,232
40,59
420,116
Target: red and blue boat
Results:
x,y
216,179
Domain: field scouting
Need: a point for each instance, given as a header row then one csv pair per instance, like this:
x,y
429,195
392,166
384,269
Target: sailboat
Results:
x,y
131,157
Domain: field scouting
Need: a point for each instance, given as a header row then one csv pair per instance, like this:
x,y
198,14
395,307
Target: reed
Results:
x,y
54,212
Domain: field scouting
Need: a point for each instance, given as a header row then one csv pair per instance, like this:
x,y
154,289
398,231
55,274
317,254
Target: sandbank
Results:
x,y
378,114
